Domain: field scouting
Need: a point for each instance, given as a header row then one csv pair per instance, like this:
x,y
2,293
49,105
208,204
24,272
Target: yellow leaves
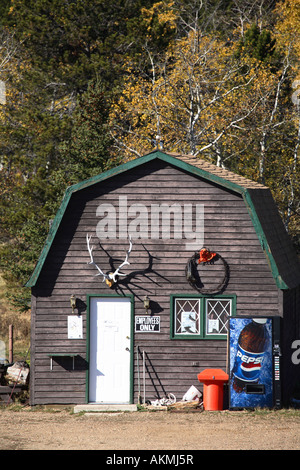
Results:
x,y
288,15
161,12
201,99
288,25
190,96
166,14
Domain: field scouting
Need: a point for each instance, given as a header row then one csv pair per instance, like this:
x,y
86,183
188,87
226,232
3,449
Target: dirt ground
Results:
x,y
53,429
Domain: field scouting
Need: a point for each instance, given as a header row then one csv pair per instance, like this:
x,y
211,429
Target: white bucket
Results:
x,y
192,394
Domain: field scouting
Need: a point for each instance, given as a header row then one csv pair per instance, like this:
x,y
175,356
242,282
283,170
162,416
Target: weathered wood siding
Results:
x,y
290,345
157,269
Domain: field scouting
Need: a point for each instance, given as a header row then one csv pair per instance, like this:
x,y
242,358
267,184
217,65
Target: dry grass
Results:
x,y
20,322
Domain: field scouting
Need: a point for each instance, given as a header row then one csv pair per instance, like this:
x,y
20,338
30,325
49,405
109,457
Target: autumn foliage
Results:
x,y
89,85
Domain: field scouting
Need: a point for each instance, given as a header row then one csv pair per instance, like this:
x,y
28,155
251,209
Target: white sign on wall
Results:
x,y
75,327
147,324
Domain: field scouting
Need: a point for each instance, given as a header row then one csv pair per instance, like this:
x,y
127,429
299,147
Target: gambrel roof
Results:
x,y
275,242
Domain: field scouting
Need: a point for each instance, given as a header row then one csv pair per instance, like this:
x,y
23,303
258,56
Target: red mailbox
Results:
x,y
213,386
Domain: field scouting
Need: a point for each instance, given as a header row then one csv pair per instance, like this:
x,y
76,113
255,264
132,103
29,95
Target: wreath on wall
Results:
x,y
206,257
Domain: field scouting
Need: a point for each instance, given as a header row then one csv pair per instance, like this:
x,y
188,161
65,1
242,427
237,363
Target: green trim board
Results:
x,y
223,181
203,334
281,284
131,297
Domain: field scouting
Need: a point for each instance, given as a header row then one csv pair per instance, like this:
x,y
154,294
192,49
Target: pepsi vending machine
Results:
x,y
254,362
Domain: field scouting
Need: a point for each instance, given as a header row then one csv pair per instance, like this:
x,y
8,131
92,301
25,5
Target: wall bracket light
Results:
x,y
146,303
73,302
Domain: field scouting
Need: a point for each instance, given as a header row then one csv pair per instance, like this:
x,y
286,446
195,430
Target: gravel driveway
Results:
x,y
30,429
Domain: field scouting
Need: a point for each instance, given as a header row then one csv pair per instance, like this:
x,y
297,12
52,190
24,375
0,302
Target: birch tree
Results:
x,y
201,96
288,183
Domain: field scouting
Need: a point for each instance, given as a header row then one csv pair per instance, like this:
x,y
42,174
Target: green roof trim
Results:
x,y
172,160
263,242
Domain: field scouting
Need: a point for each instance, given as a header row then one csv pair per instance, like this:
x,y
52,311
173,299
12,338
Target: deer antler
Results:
x,y
105,276
109,278
117,273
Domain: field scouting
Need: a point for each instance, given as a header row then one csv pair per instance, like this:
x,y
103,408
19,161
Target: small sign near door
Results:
x,y
75,327
146,324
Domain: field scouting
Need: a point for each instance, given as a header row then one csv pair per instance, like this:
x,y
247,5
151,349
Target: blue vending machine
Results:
x,y
254,362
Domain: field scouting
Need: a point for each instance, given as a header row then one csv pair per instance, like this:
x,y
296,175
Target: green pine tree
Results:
x,y
89,150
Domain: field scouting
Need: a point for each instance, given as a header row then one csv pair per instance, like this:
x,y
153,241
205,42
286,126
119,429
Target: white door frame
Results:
x,y
131,341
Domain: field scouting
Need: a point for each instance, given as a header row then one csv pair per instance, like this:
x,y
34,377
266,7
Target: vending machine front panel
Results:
x,y
250,362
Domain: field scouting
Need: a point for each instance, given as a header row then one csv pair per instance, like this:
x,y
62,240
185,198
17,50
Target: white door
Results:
x,y
110,330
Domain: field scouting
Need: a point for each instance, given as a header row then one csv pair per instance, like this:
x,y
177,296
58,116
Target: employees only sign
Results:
x,y
146,324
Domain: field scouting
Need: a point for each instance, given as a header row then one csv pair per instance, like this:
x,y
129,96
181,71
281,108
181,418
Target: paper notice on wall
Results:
x,y
188,322
213,326
75,327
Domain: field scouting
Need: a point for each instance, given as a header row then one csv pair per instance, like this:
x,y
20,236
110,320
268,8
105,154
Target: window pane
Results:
x,y
217,312
187,316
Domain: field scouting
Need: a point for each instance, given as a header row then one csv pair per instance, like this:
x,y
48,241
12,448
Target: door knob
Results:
x,y
127,349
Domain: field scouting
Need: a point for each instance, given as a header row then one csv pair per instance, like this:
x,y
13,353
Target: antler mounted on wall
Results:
x,y
111,277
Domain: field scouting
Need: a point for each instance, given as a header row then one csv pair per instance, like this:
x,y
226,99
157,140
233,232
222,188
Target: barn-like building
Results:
x,y
142,268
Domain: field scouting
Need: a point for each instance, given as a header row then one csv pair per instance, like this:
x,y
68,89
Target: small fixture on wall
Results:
x,y
146,303
73,302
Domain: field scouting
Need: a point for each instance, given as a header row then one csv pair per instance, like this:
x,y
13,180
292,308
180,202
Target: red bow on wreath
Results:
x,y
205,256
